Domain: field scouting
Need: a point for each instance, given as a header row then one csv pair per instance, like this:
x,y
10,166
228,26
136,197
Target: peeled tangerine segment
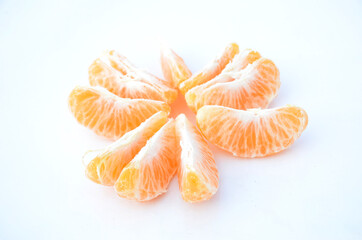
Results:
x,y
107,165
173,67
254,132
197,173
109,115
242,60
255,86
149,173
115,73
213,69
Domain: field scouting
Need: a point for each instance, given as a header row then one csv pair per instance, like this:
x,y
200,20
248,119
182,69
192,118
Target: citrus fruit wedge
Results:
x,y
241,60
252,87
254,132
115,73
213,69
197,173
122,64
107,165
109,115
173,67
149,173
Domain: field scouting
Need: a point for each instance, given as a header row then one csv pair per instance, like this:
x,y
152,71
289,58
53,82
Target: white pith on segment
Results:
x,y
247,88
156,160
210,71
108,114
173,66
240,61
111,160
235,130
117,60
114,72
195,157
214,64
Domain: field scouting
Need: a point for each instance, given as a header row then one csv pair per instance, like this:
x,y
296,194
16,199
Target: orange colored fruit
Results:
x,y
173,67
197,173
115,73
107,165
254,132
122,64
212,69
252,87
149,173
242,60
109,115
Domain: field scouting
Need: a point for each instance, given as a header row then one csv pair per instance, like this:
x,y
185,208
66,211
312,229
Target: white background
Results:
x,y
310,191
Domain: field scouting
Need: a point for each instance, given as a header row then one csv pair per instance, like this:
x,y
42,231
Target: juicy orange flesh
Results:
x,y
173,67
91,170
197,172
212,70
155,166
106,167
128,182
108,115
115,73
257,85
249,134
193,189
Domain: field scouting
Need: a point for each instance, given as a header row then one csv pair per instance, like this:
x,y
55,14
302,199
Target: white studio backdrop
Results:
x,y
310,191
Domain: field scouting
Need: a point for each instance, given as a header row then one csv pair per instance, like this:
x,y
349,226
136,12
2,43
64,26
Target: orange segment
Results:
x,y
252,133
242,60
197,173
151,170
122,64
101,74
109,115
252,87
107,165
173,67
212,69
115,73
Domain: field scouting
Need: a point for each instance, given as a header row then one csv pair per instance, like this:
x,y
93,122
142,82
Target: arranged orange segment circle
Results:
x,y
115,73
213,69
109,115
252,87
131,106
107,165
173,67
149,173
197,173
254,132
